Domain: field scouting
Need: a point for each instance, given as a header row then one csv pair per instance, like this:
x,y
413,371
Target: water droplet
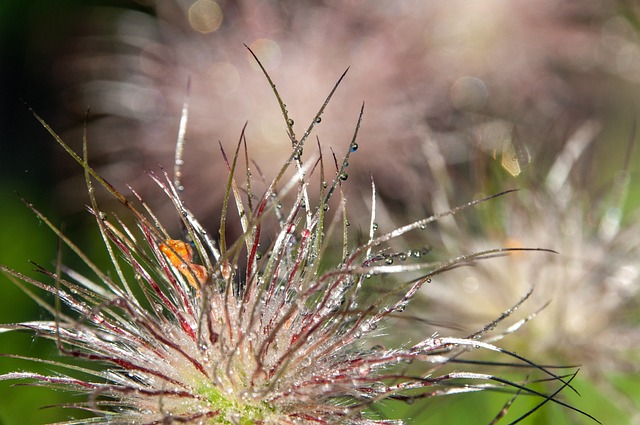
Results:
x,y
403,256
375,226
378,348
379,387
325,185
325,207
318,119
343,176
353,147
290,122
388,260
416,254
291,295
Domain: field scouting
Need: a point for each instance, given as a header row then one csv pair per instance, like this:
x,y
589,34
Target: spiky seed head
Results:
x,y
274,328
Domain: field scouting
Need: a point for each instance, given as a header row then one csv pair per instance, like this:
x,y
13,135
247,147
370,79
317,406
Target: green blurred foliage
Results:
x,y
26,170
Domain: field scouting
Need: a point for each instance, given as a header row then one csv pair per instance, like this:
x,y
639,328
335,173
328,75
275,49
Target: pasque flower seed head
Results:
x,y
277,327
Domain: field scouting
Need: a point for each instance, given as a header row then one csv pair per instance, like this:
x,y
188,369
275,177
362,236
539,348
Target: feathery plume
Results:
x,y
272,328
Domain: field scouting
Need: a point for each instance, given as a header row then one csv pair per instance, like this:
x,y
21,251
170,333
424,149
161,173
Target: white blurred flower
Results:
x,y
591,285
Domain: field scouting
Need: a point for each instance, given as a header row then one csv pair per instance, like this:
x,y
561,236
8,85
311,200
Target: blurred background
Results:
x,y
463,98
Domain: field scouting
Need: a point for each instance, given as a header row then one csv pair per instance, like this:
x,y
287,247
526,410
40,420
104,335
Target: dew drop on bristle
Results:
x,y
353,147
290,122
379,387
318,120
388,260
343,176
375,226
378,349
291,295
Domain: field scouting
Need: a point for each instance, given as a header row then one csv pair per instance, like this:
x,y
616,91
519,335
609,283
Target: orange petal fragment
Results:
x,y
180,255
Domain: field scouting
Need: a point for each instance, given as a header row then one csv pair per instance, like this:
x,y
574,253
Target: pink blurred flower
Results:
x,y
449,66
